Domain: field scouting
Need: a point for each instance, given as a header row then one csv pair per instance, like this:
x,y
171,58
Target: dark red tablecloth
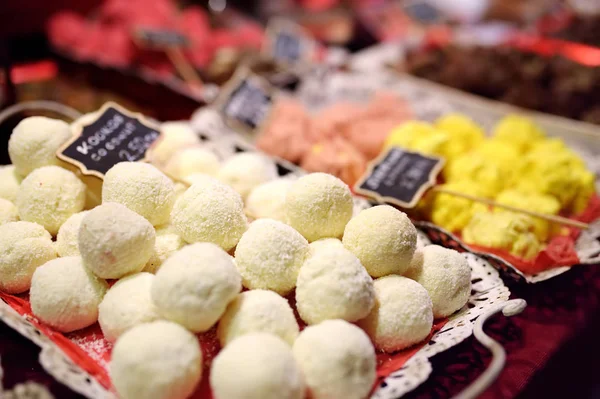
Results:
x,y
552,347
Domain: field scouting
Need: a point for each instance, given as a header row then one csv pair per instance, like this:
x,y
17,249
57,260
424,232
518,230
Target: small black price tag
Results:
x,y
117,135
246,101
423,12
287,43
160,39
400,177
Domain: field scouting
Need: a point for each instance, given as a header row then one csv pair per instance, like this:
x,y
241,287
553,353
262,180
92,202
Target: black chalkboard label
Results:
x,y
117,135
422,12
400,177
287,43
247,102
160,39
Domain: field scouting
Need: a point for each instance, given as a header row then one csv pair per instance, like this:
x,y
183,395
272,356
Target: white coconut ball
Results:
x,y
256,366
194,286
332,284
9,183
127,304
269,256
65,295
268,200
258,311
247,170
167,242
23,247
173,137
446,276
49,196
34,142
201,178
337,359
192,160
157,360
67,239
324,244
319,205
402,315
383,238
8,212
142,188
210,211
115,241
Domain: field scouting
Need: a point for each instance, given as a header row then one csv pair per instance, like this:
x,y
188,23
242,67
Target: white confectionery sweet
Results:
x,y
268,200
210,211
269,256
332,284
323,244
319,205
179,189
256,366
445,274
8,212
247,170
202,178
127,304
9,183
142,188
174,136
49,196
167,242
383,238
402,315
157,360
115,241
23,247
194,286
65,295
337,359
258,311
34,143
192,160
67,239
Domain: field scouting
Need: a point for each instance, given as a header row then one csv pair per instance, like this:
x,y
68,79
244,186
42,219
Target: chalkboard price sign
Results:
x,y
160,39
247,102
117,135
422,11
400,177
288,43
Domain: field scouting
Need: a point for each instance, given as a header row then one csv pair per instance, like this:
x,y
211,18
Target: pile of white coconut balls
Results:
x,y
187,259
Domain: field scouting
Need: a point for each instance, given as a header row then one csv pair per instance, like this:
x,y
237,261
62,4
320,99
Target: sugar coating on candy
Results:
x,y
167,242
247,170
210,211
23,247
34,142
67,239
194,286
200,178
446,276
115,241
269,256
49,196
383,238
319,205
268,200
157,360
258,311
337,359
127,304
65,295
402,315
8,212
142,188
262,366
323,244
174,136
9,183
192,160
333,284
